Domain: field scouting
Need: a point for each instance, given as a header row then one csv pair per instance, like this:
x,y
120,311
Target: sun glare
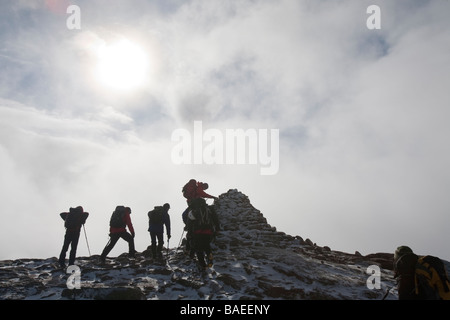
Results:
x,y
122,65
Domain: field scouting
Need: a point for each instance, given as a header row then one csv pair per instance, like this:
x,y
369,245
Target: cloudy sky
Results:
x,y
93,100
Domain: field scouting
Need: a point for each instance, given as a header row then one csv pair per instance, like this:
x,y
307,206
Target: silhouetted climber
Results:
x,y
193,190
120,219
202,223
420,277
157,219
73,220
405,266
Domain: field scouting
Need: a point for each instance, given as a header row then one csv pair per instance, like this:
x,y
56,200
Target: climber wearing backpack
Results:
x,y
201,187
420,277
404,267
120,219
202,223
157,219
73,220
193,190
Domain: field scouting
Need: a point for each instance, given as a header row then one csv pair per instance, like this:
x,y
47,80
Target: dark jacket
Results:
x,y
404,269
159,227
81,220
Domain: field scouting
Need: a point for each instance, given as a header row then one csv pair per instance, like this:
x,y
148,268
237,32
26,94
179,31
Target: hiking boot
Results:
x,y
201,261
210,260
132,254
201,265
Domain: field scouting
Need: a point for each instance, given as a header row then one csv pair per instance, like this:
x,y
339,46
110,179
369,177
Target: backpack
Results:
x,y
190,189
431,280
200,215
155,216
116,220
73,218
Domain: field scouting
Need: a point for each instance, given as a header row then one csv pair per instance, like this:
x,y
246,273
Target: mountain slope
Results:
x,y
252,260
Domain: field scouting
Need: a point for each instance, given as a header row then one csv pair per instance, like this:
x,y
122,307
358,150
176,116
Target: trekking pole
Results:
x,y
387,292
179,244
89,250
168,244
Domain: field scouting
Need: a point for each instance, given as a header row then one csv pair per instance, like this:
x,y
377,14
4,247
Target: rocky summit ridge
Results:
x,y
252,261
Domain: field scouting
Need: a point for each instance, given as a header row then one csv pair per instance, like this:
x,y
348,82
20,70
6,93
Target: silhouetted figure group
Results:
x,y
201,224
418,277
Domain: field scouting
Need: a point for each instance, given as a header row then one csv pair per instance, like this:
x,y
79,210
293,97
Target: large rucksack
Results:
x,y
73,218
200,216
431,280
155,216
117,220
190,189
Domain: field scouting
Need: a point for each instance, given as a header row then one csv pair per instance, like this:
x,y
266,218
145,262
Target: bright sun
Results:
x,y
122,65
